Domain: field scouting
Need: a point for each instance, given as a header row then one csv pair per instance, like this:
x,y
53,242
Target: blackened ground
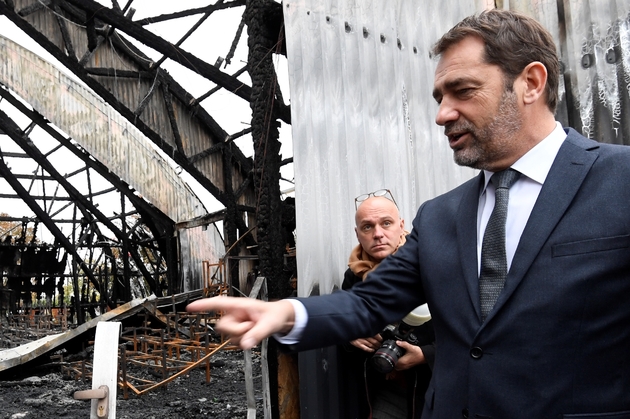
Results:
x,y
189,396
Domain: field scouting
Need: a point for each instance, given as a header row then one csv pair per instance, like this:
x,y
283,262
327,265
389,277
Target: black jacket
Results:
x,y
361,382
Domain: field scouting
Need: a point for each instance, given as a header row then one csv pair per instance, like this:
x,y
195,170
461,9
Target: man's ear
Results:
x,y
534,80
402,224
356,232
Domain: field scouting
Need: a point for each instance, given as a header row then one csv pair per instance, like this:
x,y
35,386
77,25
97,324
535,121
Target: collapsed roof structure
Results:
x,y
121,222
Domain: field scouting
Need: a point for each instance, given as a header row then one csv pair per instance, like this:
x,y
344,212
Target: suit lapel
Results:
x,y
467,239
567,173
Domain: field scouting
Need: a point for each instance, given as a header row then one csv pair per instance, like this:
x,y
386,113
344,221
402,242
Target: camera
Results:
x,y
386,357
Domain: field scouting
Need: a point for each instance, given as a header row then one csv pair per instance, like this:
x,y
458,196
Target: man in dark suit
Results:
x,y
538,328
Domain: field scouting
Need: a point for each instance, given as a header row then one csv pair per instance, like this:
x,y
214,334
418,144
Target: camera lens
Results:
x,y
386,357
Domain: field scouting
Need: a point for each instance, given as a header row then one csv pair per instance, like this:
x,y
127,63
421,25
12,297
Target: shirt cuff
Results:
x,y
301,318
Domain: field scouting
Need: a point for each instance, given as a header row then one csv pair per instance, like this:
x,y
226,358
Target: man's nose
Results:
x,y
446,113
378,232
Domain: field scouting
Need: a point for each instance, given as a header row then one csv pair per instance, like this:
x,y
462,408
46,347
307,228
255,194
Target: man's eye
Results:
x,y
366,228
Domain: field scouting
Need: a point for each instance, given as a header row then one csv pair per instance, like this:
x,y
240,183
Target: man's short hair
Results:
x,y
512,41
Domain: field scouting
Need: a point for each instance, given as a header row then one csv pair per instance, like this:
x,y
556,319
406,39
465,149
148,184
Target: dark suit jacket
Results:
x,y
557,342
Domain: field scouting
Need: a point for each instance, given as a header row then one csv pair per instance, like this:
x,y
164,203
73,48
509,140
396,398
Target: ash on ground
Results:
x,y
50,395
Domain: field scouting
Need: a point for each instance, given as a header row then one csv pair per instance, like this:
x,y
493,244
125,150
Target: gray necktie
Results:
x,y
493,260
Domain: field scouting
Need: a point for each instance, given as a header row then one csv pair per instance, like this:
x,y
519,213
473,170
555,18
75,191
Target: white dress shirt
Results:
x,y
533,166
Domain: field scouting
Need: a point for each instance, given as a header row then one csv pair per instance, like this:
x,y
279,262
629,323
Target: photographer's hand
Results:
x,y
413,356
368,344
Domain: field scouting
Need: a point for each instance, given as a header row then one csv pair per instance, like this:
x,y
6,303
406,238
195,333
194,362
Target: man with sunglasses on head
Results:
x,y
537,326
381,231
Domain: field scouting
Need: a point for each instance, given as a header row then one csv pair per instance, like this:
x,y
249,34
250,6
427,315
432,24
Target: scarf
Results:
x,y
361,264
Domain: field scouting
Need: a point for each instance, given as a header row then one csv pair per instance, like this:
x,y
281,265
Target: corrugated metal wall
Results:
x,y
363,115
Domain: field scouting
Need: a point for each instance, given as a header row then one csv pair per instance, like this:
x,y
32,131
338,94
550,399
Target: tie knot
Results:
x,y
505,178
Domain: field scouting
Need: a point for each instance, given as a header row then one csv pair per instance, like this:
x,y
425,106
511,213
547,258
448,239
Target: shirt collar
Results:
x,y
536,163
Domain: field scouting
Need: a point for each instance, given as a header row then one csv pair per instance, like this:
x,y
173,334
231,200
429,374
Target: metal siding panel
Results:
x,y
353,130
198,245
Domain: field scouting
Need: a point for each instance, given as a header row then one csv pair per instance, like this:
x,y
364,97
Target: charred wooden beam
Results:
x,y
35,7
217,148
76,172
52,150
237,37
12,154
168,101
208,9
113,72
241,189
188,60
239,134
265,134
215,89
34,177
187,34
90,29
67,40
202,220
35,197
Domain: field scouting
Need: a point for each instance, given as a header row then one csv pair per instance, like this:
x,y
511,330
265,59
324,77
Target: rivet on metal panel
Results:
x,y
612,56
383,39
308,12
348,27
366,33
399,43
587,60
415,50
328,19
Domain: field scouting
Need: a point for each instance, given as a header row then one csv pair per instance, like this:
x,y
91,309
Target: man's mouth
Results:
x,y
454,138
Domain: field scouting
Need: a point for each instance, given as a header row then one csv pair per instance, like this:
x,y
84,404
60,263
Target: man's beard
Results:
x,y
493,141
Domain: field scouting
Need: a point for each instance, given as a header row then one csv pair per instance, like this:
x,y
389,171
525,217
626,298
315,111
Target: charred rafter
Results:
x,y
191,12
173,52
64,32
216,89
